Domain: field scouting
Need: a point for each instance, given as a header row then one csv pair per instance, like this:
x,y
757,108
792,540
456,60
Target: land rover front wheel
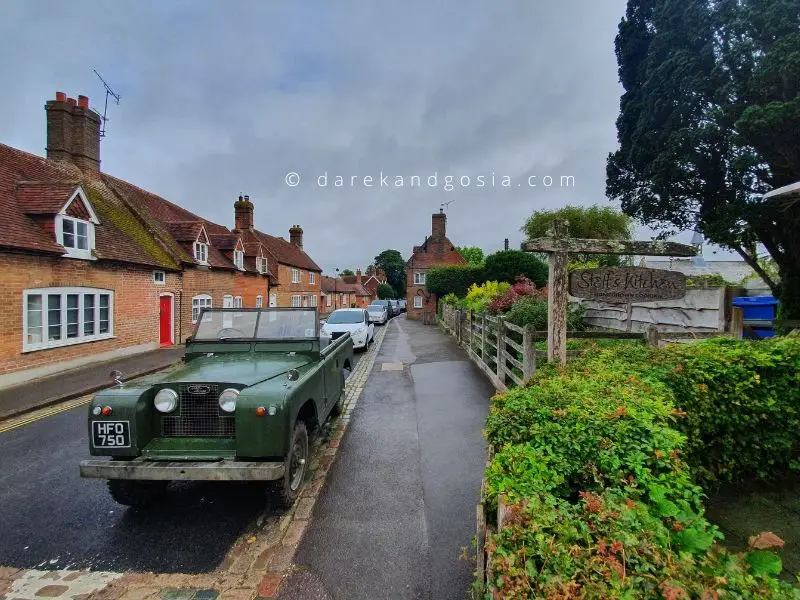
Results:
x,y
136,493
296,465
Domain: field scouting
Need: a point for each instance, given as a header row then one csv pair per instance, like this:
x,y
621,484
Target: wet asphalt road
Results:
x,y
52,518
399,502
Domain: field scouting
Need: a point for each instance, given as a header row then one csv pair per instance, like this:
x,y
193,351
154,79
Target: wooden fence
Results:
x,y
507,353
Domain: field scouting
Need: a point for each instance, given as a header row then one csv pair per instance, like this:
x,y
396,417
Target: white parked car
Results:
x,y
378,313
355,321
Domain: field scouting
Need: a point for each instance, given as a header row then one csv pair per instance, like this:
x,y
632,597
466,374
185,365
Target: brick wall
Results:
x,y
250,285
287,289
135,306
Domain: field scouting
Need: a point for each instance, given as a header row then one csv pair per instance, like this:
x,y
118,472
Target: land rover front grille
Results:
x,y
198,414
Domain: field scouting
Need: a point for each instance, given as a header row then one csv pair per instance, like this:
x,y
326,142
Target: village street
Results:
x,y
398,504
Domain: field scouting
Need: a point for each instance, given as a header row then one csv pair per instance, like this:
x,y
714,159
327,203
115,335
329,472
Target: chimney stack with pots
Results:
x,y
243,213
358,276
296,235
73,132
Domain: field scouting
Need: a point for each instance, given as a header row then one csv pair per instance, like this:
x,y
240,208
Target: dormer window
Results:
x,y
261,264
201,252
238,259
75,227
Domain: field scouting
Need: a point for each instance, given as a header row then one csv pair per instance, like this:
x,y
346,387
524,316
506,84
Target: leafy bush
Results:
x,y
451,300
384,290
533,311
507,265
523,288
480,296
455,279
598,462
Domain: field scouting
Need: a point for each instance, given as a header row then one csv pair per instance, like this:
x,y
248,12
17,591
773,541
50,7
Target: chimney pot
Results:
x,y
61,97
72,101
296,235
83,101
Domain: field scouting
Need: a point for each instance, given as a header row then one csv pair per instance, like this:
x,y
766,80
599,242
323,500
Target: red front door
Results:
x,y
165,320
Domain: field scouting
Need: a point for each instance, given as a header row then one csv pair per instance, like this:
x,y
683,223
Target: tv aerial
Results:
x,y
445,205
109,92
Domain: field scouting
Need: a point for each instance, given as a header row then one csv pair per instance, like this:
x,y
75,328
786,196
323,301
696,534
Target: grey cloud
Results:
x,y
222,98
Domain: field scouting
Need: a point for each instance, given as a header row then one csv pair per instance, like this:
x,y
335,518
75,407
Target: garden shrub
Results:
x,y
455,279
480,296
533,311
507,265
523,288
599,462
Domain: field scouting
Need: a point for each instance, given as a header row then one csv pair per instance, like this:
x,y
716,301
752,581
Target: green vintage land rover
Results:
x,y
239,407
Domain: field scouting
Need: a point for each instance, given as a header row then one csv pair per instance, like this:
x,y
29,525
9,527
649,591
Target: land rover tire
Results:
x,y
136,493
295,466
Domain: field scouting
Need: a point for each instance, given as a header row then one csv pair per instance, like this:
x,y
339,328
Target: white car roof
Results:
x,y
348,310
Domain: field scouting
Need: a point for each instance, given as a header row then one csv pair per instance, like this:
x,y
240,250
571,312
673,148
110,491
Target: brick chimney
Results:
x,y
438,225
243,214
358,276
73,132
296,235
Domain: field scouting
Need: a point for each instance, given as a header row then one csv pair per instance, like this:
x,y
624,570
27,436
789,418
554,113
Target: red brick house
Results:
x,y
370,282
95,268
337,292
436,251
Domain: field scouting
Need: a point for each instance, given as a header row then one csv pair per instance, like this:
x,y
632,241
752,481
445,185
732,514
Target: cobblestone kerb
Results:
x,y
253,568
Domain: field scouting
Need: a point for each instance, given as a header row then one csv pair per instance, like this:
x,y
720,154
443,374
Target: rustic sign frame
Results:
x,y
558,247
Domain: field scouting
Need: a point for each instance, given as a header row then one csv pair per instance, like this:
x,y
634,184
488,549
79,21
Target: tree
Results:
x,y
472,254
507,265
385,291
346,272
595,222
710,121
392,263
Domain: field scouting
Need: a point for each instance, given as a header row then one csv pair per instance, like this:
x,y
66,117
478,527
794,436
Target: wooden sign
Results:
x,y
627,284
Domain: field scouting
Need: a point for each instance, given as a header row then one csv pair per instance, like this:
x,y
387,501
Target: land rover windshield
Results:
x,y
268,324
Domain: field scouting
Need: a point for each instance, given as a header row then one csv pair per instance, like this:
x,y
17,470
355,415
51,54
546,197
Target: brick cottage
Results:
x,y
435,251
95,268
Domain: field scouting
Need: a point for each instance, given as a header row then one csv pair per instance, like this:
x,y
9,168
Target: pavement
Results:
x,y
398,510
84,380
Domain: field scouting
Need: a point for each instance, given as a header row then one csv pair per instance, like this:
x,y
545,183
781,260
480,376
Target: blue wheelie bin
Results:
x,y
758,308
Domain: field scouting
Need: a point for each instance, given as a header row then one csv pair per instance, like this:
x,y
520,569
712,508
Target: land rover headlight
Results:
x,y
166,400
227,400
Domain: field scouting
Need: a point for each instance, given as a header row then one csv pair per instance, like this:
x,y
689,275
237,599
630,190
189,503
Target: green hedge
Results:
x,y
507,265
595,460
455,279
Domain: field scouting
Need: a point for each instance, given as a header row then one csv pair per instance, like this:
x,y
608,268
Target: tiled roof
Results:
x,y
333,285
120,236
435,251
184,231
280,251
44,197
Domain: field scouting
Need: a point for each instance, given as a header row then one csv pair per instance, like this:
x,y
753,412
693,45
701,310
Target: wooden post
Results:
x,y
652,336
501,373
459,329
557,296
528,352
469,331
737,323
483,337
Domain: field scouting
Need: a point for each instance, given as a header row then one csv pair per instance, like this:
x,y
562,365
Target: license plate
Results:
x,y
111,434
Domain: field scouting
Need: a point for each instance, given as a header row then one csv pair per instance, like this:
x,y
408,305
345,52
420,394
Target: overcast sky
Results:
x,y
220,98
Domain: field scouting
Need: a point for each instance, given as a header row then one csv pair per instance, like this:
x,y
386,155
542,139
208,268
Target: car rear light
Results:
x,y
106,411
261,411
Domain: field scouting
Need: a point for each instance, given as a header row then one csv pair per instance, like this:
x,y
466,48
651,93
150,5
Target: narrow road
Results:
x,y
399,502
51,518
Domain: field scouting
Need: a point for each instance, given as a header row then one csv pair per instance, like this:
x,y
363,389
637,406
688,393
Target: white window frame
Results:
x,y
201,252
314,300
259,301
273,300
295,275
237,302
62,293
200,302
73,252
227,301
328,299
419,278
238,259
418,302
312,277
296,300
159,277
261,264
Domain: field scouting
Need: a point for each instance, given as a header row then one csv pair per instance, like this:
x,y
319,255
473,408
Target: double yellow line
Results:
x,y
43,413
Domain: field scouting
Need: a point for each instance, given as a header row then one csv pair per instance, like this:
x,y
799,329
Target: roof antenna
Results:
x,y
445,205
109,92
